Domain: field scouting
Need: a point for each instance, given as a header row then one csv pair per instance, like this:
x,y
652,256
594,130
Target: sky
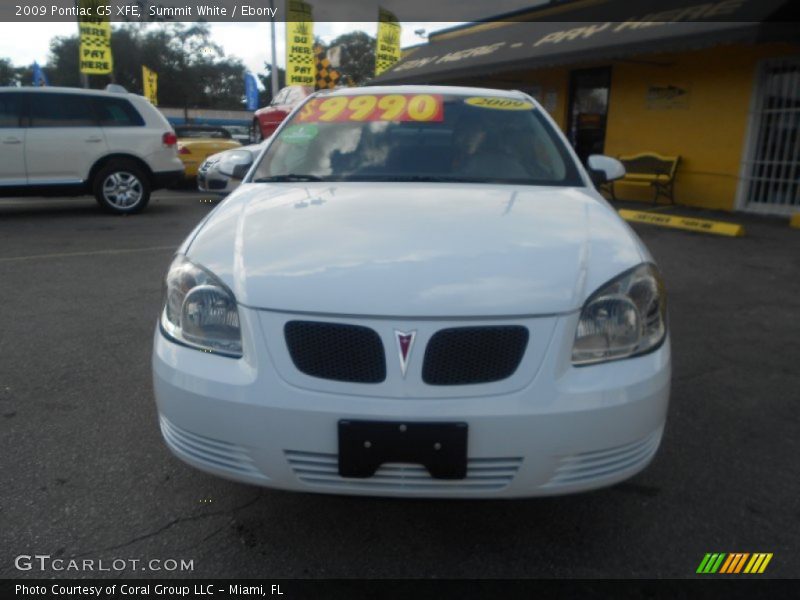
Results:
x,y
24,43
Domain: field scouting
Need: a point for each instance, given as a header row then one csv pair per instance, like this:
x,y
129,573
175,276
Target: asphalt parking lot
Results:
x,y
86,475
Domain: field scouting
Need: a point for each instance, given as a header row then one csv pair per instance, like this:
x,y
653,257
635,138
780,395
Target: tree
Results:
x,y
193,72
198,74
63,62
25,75
358,56
265,96
8,74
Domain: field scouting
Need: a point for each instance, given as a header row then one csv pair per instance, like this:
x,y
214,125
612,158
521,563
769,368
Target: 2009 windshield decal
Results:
x,y
369,107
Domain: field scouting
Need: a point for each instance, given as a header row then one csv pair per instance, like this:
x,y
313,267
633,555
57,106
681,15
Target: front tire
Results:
x,y
122,187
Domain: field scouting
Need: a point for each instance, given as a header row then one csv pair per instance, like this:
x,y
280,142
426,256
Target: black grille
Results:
x,y
334,351
466,355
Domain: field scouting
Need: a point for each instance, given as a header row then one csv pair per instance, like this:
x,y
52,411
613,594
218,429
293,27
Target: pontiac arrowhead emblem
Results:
x,y
405,341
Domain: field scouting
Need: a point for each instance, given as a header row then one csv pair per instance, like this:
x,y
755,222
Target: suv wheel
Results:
x,y
255,132
121,187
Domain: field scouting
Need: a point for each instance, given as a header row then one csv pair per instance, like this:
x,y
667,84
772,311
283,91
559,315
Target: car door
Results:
x,y
12,140
64,138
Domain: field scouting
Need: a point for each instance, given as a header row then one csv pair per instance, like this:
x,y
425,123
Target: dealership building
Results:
x,y
714,83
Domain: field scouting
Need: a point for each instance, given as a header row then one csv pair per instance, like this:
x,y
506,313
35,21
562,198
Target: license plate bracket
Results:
x,y
365,445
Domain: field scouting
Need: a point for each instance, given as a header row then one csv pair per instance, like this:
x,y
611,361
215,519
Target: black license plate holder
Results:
x,y
365,445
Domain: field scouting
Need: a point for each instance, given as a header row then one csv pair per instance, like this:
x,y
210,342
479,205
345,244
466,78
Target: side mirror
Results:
x,y
239,171
236,164
603,169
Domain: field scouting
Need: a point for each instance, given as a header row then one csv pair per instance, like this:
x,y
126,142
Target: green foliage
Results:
x,y
62,65
8,74
265,95
193,72
14,76
358,56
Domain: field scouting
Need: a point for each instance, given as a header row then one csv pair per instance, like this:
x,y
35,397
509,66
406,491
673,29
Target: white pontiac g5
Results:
x,y
416,291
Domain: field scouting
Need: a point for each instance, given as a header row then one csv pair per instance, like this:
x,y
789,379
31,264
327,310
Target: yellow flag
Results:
x,y
95,49
387,46
299,44
150,85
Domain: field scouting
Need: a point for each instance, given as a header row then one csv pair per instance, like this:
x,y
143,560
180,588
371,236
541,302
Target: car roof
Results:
x,y
425,89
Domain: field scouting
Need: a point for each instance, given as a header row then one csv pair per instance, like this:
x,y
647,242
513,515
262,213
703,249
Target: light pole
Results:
x,y
274,70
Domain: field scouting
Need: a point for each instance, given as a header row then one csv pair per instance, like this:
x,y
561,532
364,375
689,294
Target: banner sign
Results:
x,y
387,44
39,78
150,85
95,30
251,91
299,44
327,76
373,107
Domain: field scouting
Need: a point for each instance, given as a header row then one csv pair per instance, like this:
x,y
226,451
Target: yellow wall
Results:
x,y
708,133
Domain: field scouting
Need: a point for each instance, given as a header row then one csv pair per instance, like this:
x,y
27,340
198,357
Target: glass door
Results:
x,y
587,110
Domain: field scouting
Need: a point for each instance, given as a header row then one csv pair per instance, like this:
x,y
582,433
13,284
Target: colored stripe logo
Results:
x,y
734,563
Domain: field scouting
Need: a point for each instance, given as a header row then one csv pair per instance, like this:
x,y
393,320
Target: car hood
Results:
x,y
414,249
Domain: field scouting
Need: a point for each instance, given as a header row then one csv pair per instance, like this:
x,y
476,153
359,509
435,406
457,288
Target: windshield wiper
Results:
x,y
288,177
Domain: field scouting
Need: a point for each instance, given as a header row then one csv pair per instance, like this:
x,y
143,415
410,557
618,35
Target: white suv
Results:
x,y
69,141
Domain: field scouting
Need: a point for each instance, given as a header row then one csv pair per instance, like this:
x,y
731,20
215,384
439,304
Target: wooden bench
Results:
x,y
650,169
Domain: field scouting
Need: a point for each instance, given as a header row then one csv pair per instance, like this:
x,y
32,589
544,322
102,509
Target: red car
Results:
x,y
267,119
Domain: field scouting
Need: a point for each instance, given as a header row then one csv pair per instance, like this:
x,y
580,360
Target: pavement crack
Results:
x,y
167,526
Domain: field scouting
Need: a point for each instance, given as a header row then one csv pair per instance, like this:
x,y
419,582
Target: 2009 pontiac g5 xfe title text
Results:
x,y
416,291
134,11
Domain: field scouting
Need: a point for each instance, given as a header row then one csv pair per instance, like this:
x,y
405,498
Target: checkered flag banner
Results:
x,y
300,61
327,76
387,44
95,56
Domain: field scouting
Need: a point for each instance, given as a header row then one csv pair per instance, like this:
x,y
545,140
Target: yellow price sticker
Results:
x,y
371,107
499,103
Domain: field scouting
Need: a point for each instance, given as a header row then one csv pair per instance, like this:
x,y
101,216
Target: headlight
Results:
x,y
626,317
200,311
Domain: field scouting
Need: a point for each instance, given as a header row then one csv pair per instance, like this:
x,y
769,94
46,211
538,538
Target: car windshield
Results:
x,y
418,137
202,132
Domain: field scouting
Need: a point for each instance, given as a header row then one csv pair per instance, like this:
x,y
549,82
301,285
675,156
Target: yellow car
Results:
x,y
198,142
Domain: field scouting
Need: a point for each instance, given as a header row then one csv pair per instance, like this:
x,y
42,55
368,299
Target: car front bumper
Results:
x,y
209,182
564,430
